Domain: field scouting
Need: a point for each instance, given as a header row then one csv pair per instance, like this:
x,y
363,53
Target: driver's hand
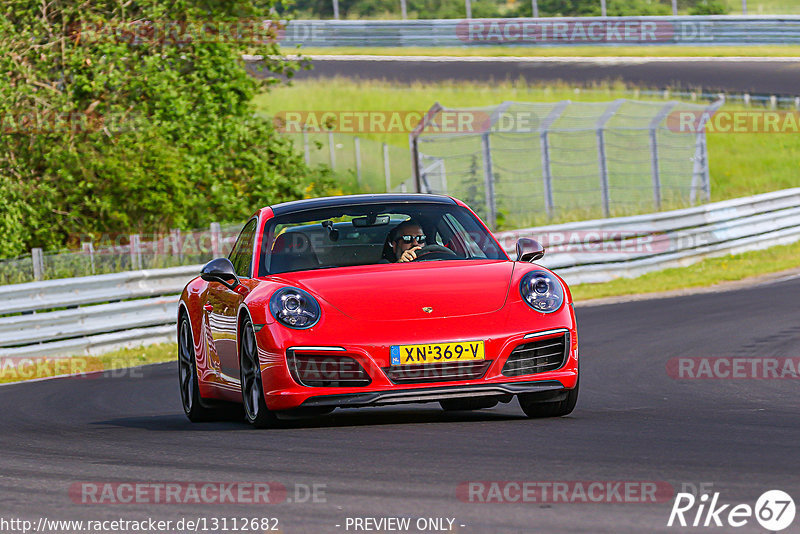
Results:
x,y
410,254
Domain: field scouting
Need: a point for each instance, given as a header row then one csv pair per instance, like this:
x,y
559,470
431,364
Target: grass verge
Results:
x,y
115,363
560,51
706,273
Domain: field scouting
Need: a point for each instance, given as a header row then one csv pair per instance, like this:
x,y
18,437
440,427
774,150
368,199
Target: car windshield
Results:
x,y
360,235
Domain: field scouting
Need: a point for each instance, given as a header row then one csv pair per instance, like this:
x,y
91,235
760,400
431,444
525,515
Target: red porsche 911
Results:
x,y
367,300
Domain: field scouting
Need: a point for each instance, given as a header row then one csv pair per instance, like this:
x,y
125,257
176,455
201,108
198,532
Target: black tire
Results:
x,y
193,404
255,407
474,403
549,403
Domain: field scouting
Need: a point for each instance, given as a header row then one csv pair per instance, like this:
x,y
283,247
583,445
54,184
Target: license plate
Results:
x,y
437,353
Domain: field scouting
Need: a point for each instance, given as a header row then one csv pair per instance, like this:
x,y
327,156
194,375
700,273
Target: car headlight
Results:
x,y
294,308
541,291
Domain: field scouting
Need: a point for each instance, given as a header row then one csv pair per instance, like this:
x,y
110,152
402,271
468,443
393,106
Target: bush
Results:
x,y
113,125
710,7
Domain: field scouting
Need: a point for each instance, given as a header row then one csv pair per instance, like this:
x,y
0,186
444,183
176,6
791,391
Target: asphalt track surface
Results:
x,y
632,423
778,76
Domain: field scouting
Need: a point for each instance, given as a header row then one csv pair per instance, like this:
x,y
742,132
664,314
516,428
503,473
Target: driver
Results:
x,y
407,238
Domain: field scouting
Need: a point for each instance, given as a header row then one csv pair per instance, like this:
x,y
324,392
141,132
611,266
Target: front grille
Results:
x,y
318,370
437,372
540,356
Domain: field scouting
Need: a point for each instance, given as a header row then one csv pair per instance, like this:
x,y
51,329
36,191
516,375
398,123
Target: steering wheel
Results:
x,y
434,252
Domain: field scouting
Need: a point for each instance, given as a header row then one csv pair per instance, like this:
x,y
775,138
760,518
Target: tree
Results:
x,y
137,116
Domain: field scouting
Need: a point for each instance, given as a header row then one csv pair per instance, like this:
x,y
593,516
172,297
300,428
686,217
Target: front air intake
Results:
x,y
545,354
326,370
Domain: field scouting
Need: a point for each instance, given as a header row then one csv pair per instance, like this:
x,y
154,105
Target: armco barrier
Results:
x,y
551,31
581,252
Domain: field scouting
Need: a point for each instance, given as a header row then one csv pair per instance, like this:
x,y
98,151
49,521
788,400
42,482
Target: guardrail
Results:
x,y
687,30
624,247
102,312
581,252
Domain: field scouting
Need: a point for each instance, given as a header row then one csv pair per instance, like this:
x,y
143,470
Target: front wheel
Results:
x,y
255,407
548,403
187,375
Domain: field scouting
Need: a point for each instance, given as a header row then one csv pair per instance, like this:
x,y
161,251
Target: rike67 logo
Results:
x,y
774,510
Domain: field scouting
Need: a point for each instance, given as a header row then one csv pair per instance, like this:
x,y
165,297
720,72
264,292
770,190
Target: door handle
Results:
x,y
208,307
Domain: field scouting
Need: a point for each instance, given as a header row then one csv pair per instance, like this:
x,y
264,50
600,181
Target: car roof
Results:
x,y
354,200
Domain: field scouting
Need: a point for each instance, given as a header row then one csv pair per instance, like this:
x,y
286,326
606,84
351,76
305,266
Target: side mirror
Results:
x,y
529,249
220,270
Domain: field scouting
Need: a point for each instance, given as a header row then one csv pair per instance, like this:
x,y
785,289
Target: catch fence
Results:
x,y
524,163
115,253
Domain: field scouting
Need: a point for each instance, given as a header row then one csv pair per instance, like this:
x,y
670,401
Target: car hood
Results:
x,y
395,292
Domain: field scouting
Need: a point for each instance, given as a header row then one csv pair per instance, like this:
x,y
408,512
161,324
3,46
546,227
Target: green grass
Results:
x,y
766,7
43,366
702,274
562,51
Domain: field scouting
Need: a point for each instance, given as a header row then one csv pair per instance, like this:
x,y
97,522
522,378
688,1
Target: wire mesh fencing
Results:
x,y
521,163
113,253
362,164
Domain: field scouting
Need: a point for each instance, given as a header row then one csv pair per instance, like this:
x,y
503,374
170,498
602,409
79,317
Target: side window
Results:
x,y
242,254
463,239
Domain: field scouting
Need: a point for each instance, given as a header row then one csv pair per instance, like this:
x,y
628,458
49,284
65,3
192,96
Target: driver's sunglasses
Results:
x,y
407,238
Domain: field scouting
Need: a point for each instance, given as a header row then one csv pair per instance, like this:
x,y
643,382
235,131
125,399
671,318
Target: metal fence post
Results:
x,y
468,8
332,150
306,151
38,263
488,182
603,12
136,252
414,147
387,173
357,148
535,8
175,241
656,171
700,171
413,143
601,153
603,161
674,8
544,145
216,239
88,248
547,173
403,9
